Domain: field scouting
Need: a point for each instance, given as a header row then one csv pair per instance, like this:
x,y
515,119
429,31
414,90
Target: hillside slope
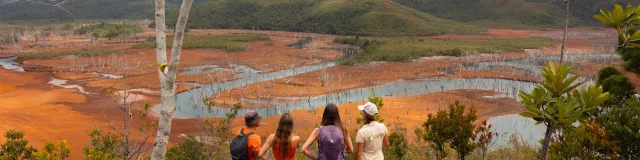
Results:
x,y
81,9
361,17
493,13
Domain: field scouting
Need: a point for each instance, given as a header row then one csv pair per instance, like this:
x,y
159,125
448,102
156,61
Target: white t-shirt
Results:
x,y
372,135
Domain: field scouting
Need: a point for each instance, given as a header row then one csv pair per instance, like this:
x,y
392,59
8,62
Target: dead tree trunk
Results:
x,y
566,27
167,72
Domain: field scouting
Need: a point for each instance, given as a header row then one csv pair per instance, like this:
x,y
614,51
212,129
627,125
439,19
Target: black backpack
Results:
x,y
239,146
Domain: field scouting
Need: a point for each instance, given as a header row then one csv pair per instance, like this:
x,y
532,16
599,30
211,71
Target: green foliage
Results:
x,y
557,103
622,126
607,72
105,30
517,148
103,146
451,127
15,147
84,9
363,17
401,49
614,82
619,86
397,142
190,149
587,141
229,42
493,13
625,21
82,52
220,132
53,151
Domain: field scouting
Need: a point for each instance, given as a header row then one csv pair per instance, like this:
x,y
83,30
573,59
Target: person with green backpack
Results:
x,y
246,145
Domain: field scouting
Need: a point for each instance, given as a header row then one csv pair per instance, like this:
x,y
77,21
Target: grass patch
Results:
x,y
82,52
406,49
106,30
228,42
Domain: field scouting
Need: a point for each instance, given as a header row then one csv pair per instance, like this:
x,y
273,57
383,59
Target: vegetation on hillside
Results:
x,y
364,17
228,42
84,9
106,30
405,49
492,13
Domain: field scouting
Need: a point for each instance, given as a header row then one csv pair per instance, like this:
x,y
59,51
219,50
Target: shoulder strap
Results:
x,y
251,133
241,132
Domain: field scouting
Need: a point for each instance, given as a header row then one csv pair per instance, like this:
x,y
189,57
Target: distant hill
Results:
x,y
353,17
584,10
82,9
493,13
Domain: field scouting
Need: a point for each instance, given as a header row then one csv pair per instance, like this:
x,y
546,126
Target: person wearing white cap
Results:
x,y
372,136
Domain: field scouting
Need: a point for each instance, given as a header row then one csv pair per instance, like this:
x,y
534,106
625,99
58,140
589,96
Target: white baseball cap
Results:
x,y
370,108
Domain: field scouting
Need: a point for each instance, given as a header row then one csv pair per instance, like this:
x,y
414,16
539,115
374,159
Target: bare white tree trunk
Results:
x,y
167,74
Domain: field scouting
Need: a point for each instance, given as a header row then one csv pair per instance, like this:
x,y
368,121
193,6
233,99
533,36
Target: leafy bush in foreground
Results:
x,y
451,127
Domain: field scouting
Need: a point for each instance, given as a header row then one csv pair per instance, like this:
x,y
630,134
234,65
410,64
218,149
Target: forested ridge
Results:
x,y
361,17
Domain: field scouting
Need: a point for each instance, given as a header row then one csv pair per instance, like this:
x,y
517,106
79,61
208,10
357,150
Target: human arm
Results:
x,y
359,151
307,144
255,142
360,143
385,141
265,147
348,143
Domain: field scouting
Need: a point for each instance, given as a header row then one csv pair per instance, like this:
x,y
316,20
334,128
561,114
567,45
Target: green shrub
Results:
x,y
587,141
105,30
450,127
401,49
619,86
54,151
189,149
622,126
15,147
229,42
607,72
398,145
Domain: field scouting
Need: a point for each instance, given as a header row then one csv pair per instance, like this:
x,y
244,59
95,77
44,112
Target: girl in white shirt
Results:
x,y
372,136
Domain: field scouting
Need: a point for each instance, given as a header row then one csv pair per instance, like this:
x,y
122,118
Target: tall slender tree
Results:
x,y
566,27
167,72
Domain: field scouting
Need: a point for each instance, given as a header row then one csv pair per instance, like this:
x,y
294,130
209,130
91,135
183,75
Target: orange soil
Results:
x,y
341,78
410,111
47,112
75,76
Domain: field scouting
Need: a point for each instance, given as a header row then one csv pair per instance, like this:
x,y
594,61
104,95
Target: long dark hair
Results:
x,y
283,134
368,118
331,116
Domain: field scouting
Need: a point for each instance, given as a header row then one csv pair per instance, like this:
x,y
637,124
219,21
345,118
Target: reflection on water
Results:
x,y
400,89
9,64
189,104
61,82
524,128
